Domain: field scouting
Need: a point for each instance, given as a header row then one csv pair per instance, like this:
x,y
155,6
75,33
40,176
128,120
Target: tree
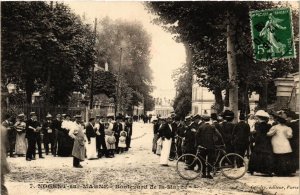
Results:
x,y
105,83
45,48
205,27
135,55
183,82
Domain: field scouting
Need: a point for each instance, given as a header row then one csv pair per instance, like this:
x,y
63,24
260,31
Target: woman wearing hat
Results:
x,y
21,144
282,150
261,159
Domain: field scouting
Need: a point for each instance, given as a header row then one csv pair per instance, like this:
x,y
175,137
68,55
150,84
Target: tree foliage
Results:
x,y
45,48
105,83
135,43
183,79
203,26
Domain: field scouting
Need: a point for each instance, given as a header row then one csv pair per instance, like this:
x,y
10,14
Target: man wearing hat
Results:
x,y
205,138
49,134
56,125
180,135
156,124
241,135
117,128
100,137
128,129
91,149
33,136
227,130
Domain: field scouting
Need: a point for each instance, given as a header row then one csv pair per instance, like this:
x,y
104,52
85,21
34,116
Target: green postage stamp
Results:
x,y
272,34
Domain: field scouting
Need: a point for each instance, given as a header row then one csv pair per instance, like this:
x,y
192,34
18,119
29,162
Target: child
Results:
x,y
110,141
122,141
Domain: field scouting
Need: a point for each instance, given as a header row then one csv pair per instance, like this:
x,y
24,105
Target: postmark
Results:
x,y
272,34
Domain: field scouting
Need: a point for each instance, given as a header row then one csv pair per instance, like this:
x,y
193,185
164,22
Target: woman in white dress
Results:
x,y
21,144
165,133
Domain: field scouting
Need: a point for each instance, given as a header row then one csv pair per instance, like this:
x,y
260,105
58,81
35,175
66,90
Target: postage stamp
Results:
x,y
272,34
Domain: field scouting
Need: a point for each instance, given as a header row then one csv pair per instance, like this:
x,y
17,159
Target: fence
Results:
x,y
41,110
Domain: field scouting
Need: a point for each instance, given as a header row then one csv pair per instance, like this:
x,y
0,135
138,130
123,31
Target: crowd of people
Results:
x,y
269,140
65,136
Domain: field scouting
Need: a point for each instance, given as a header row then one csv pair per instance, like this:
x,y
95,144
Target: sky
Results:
x,y
166,54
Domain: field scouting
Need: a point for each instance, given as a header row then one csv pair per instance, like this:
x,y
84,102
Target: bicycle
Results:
x,y
176,149
231,165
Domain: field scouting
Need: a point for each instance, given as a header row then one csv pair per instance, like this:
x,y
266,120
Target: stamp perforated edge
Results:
x,y
292,33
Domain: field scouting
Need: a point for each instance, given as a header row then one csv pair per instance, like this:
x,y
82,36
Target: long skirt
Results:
x,y
91,150
283,164
165,152
158,146
261,162
21,144
154,145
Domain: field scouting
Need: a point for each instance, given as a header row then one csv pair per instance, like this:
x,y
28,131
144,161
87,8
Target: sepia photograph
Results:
x,y
150,97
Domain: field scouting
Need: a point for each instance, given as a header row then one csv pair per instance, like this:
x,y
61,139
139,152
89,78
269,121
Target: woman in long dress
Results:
x,y
165,133
261,159
282,150
21,144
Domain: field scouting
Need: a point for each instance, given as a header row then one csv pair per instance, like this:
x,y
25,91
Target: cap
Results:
x,y
49,115
77,116
214,116
206,117
32,114
91,119
21,115
197,116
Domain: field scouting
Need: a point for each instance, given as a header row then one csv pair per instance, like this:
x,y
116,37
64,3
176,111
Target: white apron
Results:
x,y
91,150
165,152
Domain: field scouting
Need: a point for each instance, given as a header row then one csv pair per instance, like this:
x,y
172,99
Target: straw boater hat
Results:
x,y
49,115
32,114
262,113
77,116
21,115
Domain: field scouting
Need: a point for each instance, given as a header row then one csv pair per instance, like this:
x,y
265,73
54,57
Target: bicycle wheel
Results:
x,y
233,166
189,166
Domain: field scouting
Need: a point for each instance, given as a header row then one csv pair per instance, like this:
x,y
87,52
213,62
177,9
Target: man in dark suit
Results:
x,y
128,129
33,128
227,130
205,138
117,128
56,125
49,134
241,135
90,132
100,137
11,134
180,135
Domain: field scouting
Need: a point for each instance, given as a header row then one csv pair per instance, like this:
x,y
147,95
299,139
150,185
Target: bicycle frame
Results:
x,y
220,154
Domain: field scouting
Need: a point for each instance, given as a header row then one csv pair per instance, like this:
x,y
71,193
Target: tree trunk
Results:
x,y
219,100
232,68
263,96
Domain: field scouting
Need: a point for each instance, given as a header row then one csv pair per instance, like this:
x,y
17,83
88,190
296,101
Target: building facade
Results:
x,y
288,92
202,99
163,106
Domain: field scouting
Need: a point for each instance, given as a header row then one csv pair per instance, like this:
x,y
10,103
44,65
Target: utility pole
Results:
x,y
92,79
118,84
